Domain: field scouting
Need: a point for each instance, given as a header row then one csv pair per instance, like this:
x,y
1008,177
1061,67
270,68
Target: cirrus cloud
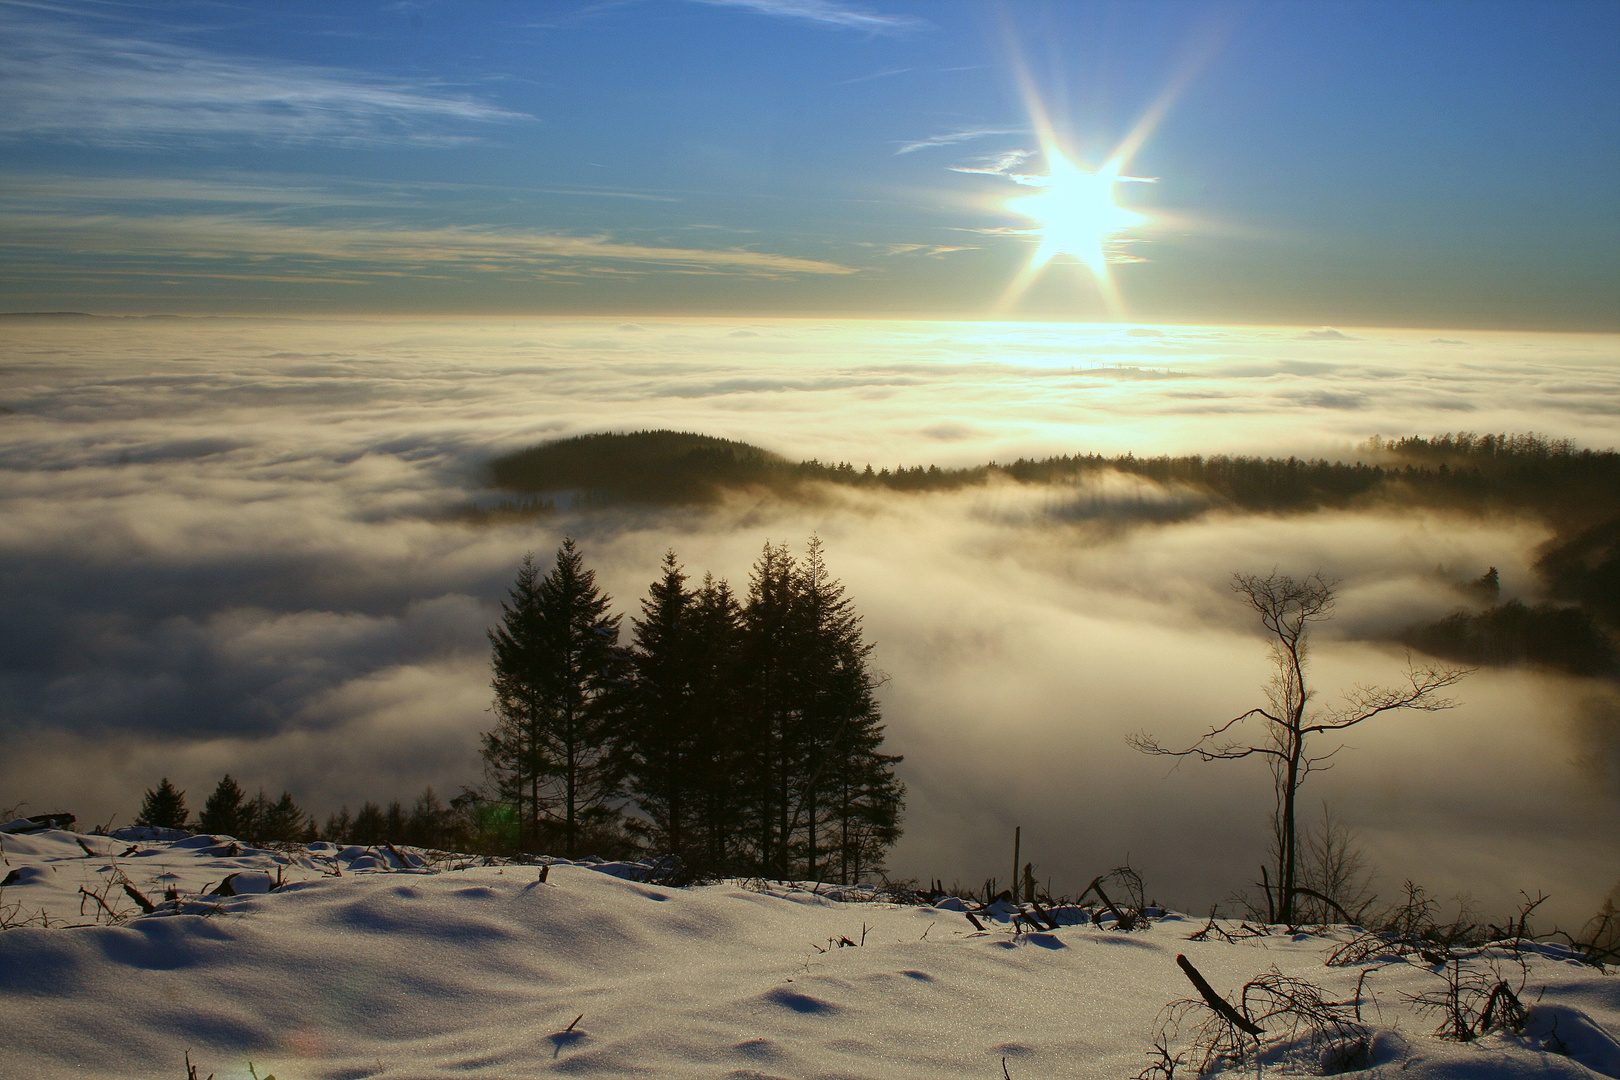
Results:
x,y
64,81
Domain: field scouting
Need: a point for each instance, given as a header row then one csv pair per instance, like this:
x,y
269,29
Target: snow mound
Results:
x,y
332,963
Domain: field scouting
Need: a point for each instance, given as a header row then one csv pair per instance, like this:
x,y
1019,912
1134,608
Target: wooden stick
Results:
x,y
1018,838
1218,1003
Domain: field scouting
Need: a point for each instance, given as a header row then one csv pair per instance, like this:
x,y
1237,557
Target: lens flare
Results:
x,y
1077,214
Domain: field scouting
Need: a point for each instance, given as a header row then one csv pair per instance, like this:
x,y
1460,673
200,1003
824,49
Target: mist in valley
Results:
x,y
242,546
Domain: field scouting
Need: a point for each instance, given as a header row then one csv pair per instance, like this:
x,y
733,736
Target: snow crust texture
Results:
x,y
335,963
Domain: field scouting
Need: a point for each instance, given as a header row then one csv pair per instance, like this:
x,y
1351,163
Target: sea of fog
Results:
x,y
230,545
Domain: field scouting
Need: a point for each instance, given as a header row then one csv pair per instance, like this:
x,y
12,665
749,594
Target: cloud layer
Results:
x,y
226,545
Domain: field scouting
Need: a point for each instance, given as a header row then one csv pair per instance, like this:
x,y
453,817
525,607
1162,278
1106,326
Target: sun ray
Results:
x,y
1077,214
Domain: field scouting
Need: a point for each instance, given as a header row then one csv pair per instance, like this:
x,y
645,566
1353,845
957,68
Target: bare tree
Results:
x,y
1287,607
1334,866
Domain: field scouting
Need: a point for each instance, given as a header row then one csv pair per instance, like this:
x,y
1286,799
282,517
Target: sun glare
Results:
x,y
1077,214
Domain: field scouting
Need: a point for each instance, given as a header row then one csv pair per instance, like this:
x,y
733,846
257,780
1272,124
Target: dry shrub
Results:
x,y
1302,1027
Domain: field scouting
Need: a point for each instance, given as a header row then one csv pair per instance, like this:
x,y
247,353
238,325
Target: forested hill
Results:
x,y
1572,489
638,466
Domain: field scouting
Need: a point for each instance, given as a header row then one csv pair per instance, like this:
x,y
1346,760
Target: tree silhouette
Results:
x,y
720,732
164,807
660,711
817,789
223,812
555,657
1287,608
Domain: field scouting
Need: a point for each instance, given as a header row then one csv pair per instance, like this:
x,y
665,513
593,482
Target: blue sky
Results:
x,y
1422,164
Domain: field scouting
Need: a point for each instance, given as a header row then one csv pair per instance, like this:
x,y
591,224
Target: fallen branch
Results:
x,y
1120,919
1216,1002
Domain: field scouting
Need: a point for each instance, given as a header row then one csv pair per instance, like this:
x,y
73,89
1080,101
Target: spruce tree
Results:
x,y
369,825
821,795
512,755
770,698
338,826
394,823
658,711
164,807
849,799
284,821
429,821
556,658
254,818
720,734
222,813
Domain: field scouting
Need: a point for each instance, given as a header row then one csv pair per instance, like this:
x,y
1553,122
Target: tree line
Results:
x,y
428,822
1566,485
742,734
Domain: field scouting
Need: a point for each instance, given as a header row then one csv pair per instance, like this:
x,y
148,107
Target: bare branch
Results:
x,y
1365,702
1144,743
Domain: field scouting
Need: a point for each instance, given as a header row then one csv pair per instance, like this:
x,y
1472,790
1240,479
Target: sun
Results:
x,y
1077,214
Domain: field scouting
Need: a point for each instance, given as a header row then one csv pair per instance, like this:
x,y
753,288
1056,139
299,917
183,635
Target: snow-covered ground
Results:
x,y
354,966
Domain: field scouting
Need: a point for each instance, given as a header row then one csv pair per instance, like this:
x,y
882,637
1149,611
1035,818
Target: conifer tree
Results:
x,y
819,791
338,826
555,658
849,799
720,734
769,648
394,823
512,751
284,820
658,711
369,825
429,821
222,813
164,807
253,818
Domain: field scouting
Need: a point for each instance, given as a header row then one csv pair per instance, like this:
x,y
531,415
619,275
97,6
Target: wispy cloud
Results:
x,y
996,165
873,76
828,13
951,138
273,245
64,81
59,192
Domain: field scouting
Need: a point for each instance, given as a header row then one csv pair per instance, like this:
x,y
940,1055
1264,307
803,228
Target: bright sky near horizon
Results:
x,y
1359,163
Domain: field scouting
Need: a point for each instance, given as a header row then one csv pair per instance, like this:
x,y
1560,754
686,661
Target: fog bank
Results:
x,y
229,546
